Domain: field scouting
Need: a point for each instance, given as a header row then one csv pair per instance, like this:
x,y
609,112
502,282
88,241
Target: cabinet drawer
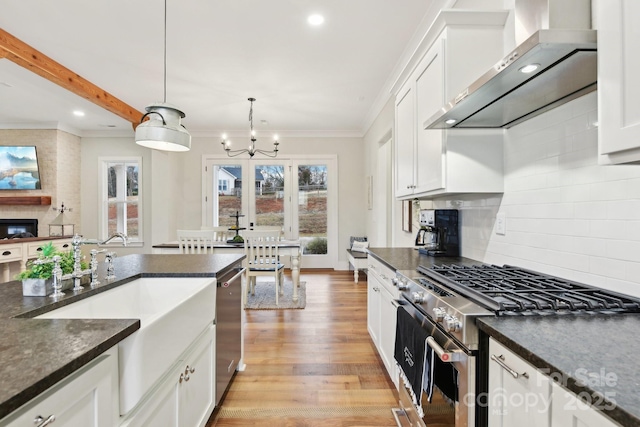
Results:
x,y
63,245
34,249
385,275
510,360
10,253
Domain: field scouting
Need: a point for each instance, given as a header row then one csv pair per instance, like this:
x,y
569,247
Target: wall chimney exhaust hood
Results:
x,y
547,70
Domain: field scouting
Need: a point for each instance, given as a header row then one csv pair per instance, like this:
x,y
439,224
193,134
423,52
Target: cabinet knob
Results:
x,y
41,422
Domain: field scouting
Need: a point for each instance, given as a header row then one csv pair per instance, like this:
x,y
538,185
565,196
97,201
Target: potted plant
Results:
x,y
37,278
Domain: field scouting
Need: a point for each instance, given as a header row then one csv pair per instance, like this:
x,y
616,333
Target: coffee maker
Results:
x,y
439,232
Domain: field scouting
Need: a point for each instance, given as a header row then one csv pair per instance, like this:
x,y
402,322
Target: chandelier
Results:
x,y
252,150
164,130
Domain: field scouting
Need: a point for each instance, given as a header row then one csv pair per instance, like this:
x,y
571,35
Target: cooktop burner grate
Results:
x,y
512,289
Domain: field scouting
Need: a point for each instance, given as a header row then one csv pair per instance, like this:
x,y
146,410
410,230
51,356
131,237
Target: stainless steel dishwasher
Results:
x,y
228,326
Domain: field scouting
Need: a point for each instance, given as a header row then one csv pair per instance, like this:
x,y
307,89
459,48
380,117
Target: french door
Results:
x,y
298,194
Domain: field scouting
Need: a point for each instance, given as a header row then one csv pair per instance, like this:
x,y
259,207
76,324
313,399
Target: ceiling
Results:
x,y
307,80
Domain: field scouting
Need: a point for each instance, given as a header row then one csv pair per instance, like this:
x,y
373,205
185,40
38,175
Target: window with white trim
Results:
x,y
121,197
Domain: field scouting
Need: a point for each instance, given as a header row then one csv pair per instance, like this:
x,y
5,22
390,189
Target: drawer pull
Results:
x,y
39,249
6,253
50,419
500,361
66,245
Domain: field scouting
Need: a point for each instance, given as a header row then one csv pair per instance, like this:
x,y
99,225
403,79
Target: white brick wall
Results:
x,y
59,162
566,215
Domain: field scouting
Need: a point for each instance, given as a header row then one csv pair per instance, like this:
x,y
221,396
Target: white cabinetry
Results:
x,y
568,410
618,86
436,162
87,398
184,398
22,252
519,395
381,312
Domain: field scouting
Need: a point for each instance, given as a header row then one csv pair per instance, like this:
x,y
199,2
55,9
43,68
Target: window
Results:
x,y
121,209
223,185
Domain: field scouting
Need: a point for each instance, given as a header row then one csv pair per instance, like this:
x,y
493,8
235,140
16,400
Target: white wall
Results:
x,y
58,160
566,215
172,184
379,133
158,188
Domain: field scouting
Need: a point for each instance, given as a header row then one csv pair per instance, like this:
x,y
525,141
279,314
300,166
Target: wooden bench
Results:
x,y
359,262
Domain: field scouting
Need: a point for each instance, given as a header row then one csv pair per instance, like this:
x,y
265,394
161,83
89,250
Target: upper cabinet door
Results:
x,y
618,83
430,85
405,140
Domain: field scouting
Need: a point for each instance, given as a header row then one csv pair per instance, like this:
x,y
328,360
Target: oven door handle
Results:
x,y
445,356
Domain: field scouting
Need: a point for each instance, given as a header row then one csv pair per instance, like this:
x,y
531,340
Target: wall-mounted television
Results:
x,y
19,168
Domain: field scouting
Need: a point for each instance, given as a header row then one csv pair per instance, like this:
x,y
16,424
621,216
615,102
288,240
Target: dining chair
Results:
x,y
195,241
220,234
261,250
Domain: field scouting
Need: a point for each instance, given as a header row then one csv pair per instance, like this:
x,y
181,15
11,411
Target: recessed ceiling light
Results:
x,y
315,19
78,113
450,121
530,68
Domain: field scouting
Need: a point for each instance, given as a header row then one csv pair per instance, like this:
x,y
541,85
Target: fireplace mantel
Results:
x,y
26,200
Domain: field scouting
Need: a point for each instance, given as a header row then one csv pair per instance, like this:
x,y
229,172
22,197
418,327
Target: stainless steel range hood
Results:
x,y
506,96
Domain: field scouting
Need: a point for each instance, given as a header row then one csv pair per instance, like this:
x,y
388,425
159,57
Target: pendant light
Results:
x,y
252,150
164,130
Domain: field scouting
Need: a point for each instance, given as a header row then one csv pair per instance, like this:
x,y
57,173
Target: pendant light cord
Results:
x,y
165,51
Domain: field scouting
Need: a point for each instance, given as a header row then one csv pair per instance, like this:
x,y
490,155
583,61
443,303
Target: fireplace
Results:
x,y
18,227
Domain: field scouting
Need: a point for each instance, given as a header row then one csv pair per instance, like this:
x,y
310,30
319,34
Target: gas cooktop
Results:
x,y
510,290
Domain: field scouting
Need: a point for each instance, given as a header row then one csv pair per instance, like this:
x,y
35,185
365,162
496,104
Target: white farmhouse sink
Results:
x,y
173,311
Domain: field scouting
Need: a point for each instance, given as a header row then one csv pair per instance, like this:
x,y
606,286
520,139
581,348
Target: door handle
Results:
x,y
500,361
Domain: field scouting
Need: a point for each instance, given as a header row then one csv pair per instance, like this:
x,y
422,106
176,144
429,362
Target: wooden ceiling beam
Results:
x,y
27,57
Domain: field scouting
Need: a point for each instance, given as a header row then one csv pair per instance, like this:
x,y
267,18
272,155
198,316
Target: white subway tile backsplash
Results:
x,y
607,267
623,250
566,215
623,209
590,210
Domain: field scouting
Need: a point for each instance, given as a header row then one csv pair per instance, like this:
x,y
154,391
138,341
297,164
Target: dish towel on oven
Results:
x,y
413,357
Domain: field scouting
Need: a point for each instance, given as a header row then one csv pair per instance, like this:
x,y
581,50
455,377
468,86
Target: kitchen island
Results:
x,y
38,353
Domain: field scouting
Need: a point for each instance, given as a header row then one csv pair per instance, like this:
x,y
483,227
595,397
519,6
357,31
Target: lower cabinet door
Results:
x,y
85,399
184,398
388,318
195,395
519,394
569,410
164,411
373,308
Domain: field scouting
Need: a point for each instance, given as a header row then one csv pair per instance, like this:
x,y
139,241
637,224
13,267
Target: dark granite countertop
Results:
x,y
406,260
37,353
597,354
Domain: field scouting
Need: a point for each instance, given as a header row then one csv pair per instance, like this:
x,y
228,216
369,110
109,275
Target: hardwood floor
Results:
x,y
311,367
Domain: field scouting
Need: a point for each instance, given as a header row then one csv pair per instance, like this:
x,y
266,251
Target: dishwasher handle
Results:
x,y
225,281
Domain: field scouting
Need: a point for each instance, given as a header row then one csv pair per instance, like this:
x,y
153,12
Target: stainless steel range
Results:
x,y
446,300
